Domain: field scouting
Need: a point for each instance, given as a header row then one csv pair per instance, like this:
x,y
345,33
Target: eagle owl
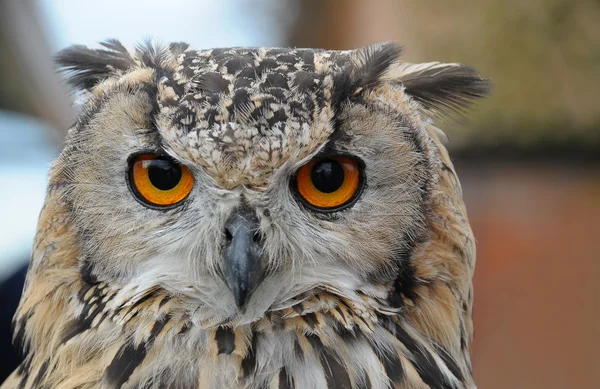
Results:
x,y
252,218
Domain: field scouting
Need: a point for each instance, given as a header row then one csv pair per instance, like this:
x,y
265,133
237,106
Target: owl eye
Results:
x,y
329,184
159,181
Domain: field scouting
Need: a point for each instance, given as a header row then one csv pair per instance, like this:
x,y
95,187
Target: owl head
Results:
x,y
248,179
243,186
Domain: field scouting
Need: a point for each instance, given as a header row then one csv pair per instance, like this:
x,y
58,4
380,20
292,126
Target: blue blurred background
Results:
x,y
528,156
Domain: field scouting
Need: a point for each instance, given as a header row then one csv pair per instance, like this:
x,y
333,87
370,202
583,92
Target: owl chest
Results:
x,y
327,357
307,352
234,358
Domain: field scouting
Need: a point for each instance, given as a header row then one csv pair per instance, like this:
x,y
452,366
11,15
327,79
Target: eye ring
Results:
x,y
158,181
329,184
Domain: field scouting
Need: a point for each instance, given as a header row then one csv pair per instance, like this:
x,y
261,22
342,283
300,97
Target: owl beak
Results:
x,y
242,264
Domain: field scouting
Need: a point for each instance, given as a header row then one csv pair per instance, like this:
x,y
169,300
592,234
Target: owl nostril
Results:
x,y
257,237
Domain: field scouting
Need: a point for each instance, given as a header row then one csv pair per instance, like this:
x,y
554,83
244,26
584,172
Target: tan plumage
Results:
x,y
375,295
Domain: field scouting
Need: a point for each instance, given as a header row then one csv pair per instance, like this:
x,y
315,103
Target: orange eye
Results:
x,y
328,184
160,181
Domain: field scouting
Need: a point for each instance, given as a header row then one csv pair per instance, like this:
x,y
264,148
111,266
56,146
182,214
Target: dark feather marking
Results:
x,y
405,282
22,374
165,300
298,351
19,340
392,366
284,379
391,362
306,81
316,343
339,135
336,374
249,361
298,308
185,328
40,375
75,327
225,338
129,357
340,312
124,363
157,328
311,320
236,64
213,83
26,371
423,362
343,86
345,304
140,301
450,362
152,90
347,334
85,288
84,321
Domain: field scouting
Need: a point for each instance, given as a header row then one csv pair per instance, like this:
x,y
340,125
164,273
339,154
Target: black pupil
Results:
x,y
327,176
164,174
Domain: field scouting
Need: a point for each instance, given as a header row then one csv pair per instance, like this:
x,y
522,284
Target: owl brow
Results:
x,y
151,140
331,147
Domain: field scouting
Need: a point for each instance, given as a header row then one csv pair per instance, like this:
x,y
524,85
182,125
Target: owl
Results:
x,y
252,218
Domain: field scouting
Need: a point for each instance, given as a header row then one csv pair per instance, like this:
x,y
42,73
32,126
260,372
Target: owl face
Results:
x,y
246,180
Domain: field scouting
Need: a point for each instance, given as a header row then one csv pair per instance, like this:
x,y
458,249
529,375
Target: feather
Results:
x,y
87,67
373,61
368,66
442,88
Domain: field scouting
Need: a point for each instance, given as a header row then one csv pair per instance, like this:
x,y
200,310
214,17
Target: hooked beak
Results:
x,y
242,265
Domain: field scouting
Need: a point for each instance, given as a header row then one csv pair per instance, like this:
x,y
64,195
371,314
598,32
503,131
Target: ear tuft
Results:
x,y
442,88
367,66
373,61
86,67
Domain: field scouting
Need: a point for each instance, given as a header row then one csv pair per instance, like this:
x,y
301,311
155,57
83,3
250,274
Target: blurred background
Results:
x,y
528,156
